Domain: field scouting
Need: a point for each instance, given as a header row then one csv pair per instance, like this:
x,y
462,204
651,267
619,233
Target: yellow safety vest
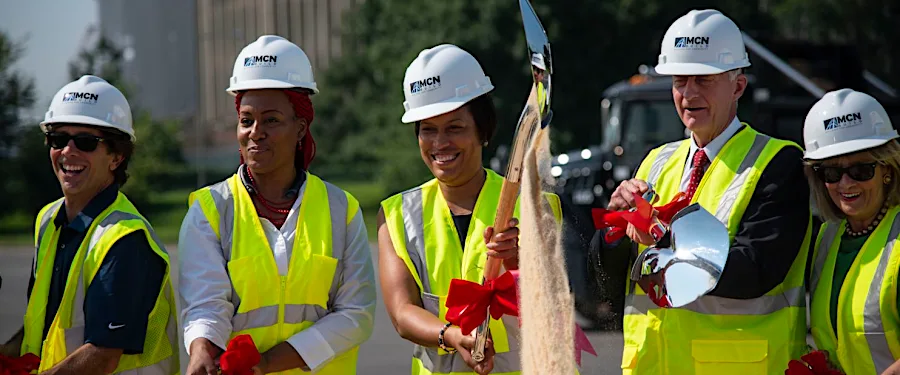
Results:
x,y
271,308
716,335
425,237
66,334
868,323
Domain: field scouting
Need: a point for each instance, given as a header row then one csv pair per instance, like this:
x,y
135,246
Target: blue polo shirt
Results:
x,y
121,296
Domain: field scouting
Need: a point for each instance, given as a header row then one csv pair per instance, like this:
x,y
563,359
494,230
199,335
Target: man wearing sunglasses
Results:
x,y
99,300
753,322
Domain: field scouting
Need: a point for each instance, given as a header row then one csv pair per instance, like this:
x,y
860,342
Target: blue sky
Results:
x,y
54,29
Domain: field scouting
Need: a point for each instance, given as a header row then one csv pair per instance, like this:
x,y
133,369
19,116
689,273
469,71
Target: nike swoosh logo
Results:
x,y
111,326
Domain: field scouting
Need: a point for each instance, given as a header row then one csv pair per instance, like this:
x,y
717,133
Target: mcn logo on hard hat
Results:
x,y
260,61
424,85
80,97
844,121
692,42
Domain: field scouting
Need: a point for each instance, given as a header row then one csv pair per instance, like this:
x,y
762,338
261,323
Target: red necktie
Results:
x,y
699,166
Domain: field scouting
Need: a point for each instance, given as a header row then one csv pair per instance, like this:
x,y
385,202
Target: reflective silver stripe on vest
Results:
x,y
338,205
828,236
712,305
414,229
224,201
661,158
874,329
48,216
415,238
45,220
268,316
74,336
729,197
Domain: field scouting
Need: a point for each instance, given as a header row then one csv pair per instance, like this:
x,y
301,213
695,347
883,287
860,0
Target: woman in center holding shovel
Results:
x,y
441,230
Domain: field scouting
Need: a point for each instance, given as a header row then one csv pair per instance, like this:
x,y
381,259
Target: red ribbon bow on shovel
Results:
x,y
23,365
813,363
641,216
240,356
468,302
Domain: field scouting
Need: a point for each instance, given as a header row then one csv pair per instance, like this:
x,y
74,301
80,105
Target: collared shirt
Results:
x,y
712,149
206,291
121,296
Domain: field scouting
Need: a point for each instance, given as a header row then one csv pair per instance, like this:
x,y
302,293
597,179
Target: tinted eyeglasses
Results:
x,y
84,142
859,172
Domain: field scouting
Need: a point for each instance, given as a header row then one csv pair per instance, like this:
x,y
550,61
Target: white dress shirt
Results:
x,y
712,149
206,292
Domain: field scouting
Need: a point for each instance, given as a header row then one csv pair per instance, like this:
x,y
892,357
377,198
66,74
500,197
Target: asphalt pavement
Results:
x,y
384,353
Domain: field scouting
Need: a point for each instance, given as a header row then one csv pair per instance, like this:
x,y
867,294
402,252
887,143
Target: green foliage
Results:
x,y
16,97
156,166
594,45
361,99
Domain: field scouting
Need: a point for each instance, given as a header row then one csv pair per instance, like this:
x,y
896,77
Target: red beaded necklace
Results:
x,y
269,206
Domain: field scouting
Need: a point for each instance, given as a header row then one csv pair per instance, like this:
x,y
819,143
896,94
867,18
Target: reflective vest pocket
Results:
x,y
310,281
746,357
249,273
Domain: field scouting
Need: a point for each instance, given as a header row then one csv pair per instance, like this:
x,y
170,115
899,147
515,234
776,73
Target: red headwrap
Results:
x,y
304,109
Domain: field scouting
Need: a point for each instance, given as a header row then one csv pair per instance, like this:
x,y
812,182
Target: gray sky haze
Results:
x,y
54,30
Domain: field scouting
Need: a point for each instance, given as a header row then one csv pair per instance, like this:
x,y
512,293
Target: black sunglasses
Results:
x,y
84,142
859,172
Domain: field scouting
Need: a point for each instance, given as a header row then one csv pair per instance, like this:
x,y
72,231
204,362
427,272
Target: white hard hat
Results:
x,y
844,122
537,60
441,79
272,62
90,101
702,42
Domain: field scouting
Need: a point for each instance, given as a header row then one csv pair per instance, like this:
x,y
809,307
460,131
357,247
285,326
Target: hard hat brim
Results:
x,y
846,148
432,110
84,120
263,84
694,69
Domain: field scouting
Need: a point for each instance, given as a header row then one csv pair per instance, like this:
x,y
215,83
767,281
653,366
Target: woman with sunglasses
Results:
x,y
853,167
116,314
274,252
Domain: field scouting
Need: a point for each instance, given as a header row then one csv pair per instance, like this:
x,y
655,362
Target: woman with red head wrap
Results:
x,y
274,260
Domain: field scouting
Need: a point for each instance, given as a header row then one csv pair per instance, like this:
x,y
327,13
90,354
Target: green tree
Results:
x,y
157,150
868,25
361,101
17,96
594,44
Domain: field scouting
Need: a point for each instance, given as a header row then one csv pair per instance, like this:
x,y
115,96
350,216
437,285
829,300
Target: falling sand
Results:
x,y
546,310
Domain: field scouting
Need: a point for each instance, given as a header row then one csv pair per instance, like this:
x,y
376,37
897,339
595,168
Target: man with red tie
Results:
x,y
753,322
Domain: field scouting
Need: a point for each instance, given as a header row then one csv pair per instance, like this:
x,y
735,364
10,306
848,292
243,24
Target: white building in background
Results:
x,y
159,38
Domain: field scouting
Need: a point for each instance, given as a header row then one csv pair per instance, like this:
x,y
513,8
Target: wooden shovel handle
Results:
x,y
509,193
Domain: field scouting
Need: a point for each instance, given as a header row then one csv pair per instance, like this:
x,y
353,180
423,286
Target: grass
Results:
x,y
166,210
17,229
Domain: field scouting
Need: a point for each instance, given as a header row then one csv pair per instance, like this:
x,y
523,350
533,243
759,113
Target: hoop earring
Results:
x,y
886,179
